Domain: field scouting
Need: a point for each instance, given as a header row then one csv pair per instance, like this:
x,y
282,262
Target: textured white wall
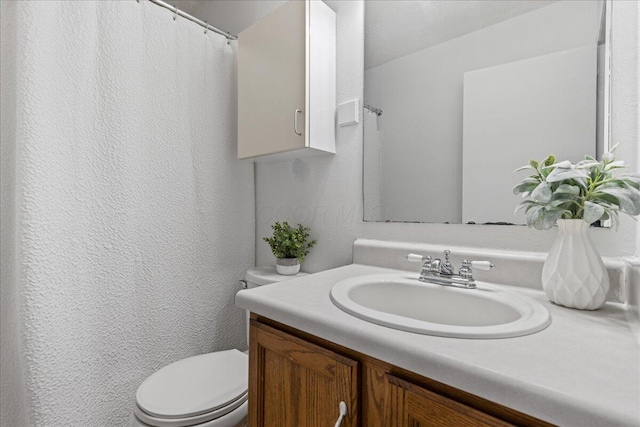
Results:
x,y
326,192
133,220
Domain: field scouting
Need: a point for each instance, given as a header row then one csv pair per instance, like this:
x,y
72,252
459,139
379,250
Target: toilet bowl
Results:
x,y
208,390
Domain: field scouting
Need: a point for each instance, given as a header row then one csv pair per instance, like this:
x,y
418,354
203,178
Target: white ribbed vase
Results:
x,y
573,274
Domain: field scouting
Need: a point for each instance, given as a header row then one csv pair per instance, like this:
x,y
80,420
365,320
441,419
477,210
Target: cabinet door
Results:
x,y
272,82
293,383
414,406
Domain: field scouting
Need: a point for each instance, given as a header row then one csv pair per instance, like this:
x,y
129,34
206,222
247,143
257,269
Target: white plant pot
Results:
x,y
287,266
573,274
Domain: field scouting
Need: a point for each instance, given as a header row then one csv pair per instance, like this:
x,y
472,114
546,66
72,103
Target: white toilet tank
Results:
x,y
259,276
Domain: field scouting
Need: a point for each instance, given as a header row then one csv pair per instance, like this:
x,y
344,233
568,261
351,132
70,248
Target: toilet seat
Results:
x,y
194,390
199,420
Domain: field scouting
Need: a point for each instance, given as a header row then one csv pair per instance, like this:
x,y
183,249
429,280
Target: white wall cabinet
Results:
x,y
287,83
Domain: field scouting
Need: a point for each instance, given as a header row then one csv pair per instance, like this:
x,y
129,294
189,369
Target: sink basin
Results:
x,y
402,302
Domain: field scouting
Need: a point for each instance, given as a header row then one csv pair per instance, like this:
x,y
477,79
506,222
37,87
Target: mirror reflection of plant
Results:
x,y
290,242
587,190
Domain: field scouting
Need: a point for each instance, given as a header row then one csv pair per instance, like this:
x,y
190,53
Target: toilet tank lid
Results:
x,y
267,275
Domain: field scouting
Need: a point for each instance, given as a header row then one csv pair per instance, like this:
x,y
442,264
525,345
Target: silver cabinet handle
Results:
x,y
295,122
343,413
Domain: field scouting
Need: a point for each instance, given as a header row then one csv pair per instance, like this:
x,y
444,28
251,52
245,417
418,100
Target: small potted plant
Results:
x,y
574,197
290,246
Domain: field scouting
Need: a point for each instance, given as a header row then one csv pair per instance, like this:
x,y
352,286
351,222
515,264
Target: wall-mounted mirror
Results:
x,y
458,94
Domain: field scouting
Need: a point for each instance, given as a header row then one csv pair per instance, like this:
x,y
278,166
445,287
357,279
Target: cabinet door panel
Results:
x,y
272,82
297,384
375,397
414,406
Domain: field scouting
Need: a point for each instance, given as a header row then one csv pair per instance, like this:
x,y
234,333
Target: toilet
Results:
x,y
208,390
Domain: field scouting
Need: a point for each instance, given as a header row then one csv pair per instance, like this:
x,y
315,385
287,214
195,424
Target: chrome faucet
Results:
x,y
435,271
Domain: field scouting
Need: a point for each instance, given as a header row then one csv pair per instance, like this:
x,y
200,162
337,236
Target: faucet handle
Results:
x,y
416,258
426,260
482,265
466,268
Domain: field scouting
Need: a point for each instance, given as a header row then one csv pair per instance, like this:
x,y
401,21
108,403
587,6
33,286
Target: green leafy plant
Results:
x,y
588,190
290,242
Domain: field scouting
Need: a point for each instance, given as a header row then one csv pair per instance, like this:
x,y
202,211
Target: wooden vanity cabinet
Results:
x,y
294,383
298,380
394,402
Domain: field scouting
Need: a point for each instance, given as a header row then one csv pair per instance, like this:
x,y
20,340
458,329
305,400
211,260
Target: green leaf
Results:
x,y
608,157
618,164
523,204
548,219
628,201
522,168
615,183
631,179
534,164
542,193
588,164
533,214
525,187
565,164
568,189
613,149
562,174
560,203
592,212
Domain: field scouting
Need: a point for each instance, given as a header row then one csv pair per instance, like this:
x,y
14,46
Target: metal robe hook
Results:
x,y
228,38
175,12
206,27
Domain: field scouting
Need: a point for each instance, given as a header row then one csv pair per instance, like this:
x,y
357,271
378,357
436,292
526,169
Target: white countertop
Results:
x,y
582,370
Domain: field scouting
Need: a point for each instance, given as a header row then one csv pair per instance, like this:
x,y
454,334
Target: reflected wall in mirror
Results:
x,y
458,94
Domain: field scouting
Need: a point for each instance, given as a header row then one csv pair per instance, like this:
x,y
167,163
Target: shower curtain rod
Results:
x,y
378,111
191,18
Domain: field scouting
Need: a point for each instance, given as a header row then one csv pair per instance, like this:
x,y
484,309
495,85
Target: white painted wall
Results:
x,y
520,111
395,29
325,193
422,98
230,15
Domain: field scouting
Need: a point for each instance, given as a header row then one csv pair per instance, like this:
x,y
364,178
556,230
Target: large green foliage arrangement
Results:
x,y
290,242
588,190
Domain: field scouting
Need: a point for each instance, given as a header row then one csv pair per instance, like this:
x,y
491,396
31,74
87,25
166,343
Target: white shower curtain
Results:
x,y
372,167
126,218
